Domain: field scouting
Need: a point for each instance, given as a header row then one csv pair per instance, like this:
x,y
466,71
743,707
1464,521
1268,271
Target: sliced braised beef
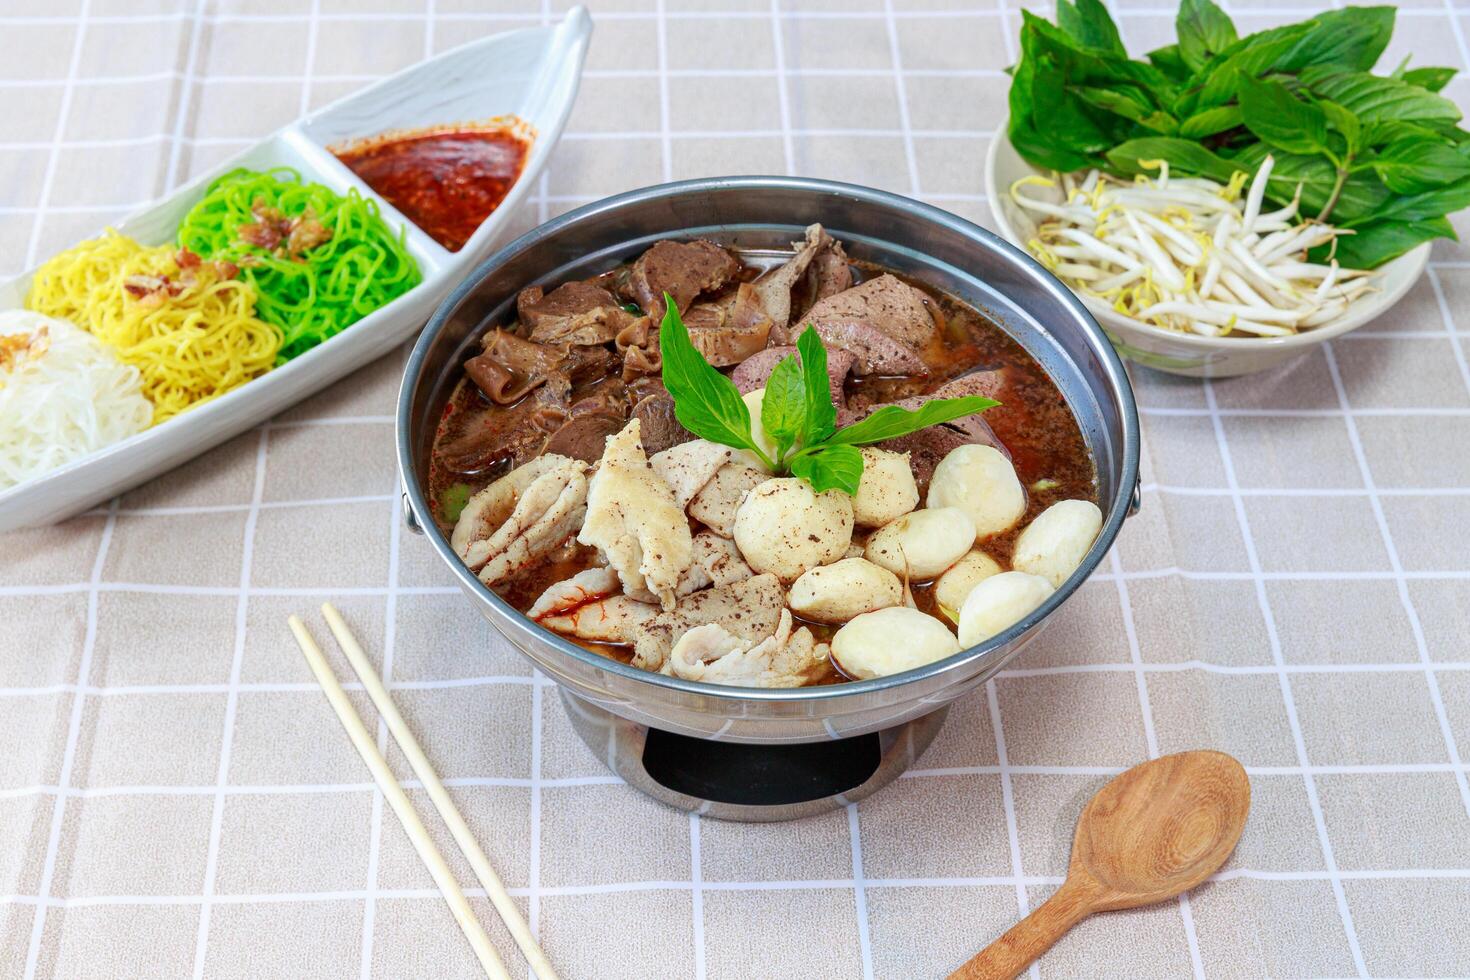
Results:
x,y
681,269
594,415
818,269
584,365
754,371
730,328
487,441
581,313
654,409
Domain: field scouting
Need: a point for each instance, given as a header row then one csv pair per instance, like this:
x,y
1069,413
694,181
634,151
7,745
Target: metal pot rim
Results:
x,y
511,619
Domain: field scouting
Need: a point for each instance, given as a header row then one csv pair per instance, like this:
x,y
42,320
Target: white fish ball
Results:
x,y
1054,544
890,641
982,482
922,544
999,602
837,592
887,490
951,588
785,527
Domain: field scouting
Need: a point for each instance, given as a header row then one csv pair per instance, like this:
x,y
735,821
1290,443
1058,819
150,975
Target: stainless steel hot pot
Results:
x,y
676,739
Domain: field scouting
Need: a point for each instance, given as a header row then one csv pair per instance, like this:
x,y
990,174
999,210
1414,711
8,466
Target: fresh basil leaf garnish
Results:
x,y
783,410
1385,240
1432,79
834,468
1088,23
1204,31
1281,119
796,412
821,414
705,401
892,421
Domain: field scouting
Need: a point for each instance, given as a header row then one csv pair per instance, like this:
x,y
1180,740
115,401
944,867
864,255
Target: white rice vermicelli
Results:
x,y
62,395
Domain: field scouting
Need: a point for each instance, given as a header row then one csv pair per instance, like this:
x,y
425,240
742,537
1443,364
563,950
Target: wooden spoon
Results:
x,y
1151,833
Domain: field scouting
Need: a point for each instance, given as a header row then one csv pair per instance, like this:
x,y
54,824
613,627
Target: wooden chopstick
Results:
x,y
398,800
489,880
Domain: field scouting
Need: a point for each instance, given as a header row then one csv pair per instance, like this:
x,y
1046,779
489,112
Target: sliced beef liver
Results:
x,y
885,302
682,269
874,352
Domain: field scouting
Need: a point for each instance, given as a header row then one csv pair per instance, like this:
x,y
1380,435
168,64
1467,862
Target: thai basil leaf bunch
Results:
x,y
1382,155
796,413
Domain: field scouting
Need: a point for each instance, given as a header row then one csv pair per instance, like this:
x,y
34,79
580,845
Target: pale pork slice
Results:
x,y
588,607
634,520
688,467
712,654
715,505
749,609
520,518
720,559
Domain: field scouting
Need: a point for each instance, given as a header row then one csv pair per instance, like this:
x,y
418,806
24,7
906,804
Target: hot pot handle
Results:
x,y
410,521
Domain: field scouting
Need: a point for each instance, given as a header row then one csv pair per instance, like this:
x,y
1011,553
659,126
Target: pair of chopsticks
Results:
x,y
367,747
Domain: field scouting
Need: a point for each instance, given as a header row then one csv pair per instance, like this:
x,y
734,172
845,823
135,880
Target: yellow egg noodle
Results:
x,y
63,394
191,332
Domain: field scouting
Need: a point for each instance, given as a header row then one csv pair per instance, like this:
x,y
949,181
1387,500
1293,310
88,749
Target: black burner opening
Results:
x,y
760,775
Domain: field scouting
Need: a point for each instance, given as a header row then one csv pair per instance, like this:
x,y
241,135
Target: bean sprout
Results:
x,y
1189,254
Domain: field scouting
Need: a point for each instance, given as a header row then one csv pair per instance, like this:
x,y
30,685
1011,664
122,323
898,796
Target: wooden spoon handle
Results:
x,y
1009,955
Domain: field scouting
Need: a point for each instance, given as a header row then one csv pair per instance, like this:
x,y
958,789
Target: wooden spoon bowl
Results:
x,y
1151,833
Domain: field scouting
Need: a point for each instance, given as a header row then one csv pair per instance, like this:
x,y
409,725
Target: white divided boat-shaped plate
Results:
x,y
530,74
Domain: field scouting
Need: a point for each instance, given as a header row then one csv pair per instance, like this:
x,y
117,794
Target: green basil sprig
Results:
x,y
797,411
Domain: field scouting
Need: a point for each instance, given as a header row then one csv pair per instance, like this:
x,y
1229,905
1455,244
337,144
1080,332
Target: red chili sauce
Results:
x,y
446,183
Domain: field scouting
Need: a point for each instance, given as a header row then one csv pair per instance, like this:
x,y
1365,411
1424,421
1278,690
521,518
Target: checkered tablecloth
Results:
x,y
177,800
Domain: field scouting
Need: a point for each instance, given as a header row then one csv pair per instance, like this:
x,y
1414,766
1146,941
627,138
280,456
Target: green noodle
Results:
x,y
322,291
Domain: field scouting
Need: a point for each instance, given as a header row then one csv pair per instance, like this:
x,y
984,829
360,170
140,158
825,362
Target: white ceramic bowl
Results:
x,y
1189,354
530,74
